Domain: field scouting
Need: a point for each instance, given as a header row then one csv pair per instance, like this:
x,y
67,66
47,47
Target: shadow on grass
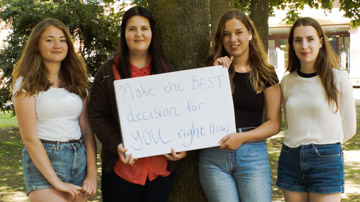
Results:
x,y
12,182
12,185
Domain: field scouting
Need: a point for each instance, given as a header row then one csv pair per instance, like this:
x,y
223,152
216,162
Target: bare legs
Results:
x,y
291,196
49,194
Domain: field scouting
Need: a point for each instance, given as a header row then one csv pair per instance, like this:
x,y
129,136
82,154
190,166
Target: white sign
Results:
x,y
184,110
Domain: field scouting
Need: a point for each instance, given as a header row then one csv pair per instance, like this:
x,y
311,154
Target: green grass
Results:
x,y
12,180
352,170
10,161
7,120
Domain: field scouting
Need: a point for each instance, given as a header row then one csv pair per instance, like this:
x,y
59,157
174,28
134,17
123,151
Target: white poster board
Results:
x,y
184,110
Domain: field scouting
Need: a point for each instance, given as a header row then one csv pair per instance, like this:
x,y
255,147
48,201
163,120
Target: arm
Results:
x,y
347,108
101,116
269,128
89,184
25,113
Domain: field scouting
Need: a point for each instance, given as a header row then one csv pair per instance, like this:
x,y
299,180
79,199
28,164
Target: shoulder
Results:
x,y
105,69
271,77
341,80
107,66
289,76
17,85
339,75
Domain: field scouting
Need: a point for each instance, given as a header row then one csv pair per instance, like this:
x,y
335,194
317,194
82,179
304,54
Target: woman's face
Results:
x,y
53,45
236,38
306,44
138,34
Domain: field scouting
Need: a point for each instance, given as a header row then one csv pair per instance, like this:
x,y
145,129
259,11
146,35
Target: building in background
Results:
x,y
342,38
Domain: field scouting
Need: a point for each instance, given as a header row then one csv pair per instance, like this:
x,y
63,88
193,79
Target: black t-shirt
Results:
x,y
248,105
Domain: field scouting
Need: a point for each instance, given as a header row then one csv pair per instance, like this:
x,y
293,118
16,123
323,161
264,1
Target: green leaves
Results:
x,y
350,7
94,25
352,11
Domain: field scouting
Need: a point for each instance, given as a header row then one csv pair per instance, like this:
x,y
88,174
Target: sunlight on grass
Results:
x,y
7,120
12,187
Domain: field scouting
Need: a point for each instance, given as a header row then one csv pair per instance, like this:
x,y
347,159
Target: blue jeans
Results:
x,y
68,161
312,168
240,175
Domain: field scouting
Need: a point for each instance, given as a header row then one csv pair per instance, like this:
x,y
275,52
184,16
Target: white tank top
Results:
x,y
57,113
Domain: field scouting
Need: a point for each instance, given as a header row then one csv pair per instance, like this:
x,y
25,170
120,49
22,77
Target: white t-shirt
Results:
x,y
57,113
309,118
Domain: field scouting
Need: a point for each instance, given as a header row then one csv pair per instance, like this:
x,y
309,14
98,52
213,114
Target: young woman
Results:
x,y
239,169
123,177
50,99
320,115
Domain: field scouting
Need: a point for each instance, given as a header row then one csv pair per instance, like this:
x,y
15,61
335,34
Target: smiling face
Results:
x,y
236,38
53,45
306,44
138,34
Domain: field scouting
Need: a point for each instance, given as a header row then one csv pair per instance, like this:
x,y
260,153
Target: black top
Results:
x,y
104,118
248,105
306,75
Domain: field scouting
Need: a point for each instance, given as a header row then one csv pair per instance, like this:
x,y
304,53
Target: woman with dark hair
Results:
x,y
320,114
123,177
239,169
50,97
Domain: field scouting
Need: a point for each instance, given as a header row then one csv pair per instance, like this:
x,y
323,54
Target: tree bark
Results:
x,y
259,14
184,31
217,9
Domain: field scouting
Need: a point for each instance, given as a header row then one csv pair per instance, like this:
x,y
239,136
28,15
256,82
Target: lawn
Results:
x,y
7,120
12,182
12,186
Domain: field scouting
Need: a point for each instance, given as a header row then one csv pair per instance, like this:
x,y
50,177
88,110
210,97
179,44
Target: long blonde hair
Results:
x,y
261,72
326,59
30,67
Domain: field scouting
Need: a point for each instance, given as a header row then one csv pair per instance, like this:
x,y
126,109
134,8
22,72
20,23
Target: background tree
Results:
x,y
217,9
185,42
94,26
184,31
260,10
185,36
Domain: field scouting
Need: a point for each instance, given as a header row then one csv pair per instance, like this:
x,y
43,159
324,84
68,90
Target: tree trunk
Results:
x,y
217,9
259,14
184,31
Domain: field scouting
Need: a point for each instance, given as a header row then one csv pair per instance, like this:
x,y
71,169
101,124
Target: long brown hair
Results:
x,y
30,66
325,60
158,63
261,71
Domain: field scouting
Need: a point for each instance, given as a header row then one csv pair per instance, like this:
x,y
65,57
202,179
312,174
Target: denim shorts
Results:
x,y
312,168
67,159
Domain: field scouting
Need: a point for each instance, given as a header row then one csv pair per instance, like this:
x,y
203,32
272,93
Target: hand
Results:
x,y
70,189
125,158
175,156
89,186
224,61
231,141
